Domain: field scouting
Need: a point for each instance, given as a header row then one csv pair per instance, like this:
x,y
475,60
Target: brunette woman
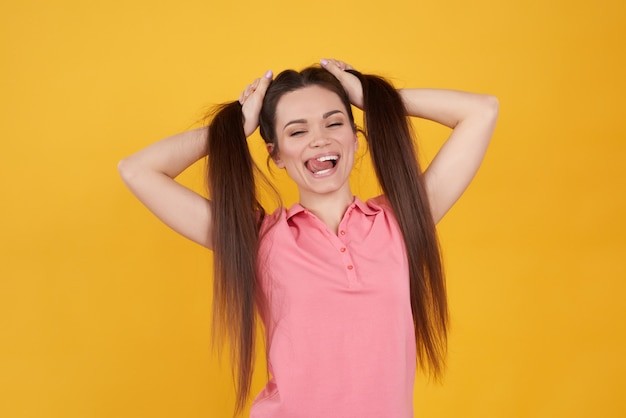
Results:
x,y
351,293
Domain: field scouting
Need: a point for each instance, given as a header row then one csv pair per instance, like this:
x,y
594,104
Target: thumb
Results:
x,y
264,82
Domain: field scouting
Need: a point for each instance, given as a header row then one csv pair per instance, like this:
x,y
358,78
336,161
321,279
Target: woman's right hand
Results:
x,y
251,100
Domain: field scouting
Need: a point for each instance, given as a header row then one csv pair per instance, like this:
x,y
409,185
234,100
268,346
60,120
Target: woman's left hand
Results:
x,y
351,84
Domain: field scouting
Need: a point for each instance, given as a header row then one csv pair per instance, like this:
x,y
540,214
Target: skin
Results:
x,y
150,173
313,122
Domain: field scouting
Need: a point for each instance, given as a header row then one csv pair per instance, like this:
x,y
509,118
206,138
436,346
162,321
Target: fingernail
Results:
x,y
268,74
324,62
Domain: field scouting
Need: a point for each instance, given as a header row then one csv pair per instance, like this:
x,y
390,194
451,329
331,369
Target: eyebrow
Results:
x,y
324,116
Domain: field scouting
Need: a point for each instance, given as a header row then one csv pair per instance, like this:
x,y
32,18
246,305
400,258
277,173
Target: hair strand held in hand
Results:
x,y
391,144
237,215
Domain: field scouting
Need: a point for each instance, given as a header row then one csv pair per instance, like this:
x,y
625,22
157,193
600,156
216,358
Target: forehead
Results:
x,y
307,102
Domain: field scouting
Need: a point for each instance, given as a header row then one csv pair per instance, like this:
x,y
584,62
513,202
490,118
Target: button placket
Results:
x,y
346,258
340,242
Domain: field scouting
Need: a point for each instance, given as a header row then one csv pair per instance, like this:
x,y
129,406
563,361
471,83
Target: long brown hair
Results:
x,y
392,147
237,215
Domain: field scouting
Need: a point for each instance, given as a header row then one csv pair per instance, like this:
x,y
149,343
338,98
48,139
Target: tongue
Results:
x,y
316,166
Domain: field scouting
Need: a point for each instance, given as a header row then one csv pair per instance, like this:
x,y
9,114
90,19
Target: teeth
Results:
x,y
328,158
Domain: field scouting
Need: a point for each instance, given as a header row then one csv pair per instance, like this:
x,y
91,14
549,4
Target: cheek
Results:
x,y
289,154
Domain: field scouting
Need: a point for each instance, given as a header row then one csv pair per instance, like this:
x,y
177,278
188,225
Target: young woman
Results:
x,y
351,293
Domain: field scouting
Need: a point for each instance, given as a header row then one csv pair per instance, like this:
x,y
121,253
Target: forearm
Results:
x,y
170,156
472,118
447,107
149,174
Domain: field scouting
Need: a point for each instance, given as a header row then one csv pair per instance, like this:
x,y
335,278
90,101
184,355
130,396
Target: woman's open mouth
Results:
x,y
323,164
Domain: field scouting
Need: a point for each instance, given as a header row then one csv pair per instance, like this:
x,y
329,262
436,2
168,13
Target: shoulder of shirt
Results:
x,y
373,205
271,219
378,203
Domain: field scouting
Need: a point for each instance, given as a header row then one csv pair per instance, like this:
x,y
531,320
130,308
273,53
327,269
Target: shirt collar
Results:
x,y
367,208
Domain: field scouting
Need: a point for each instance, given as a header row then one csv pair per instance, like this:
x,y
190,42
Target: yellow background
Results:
x,y
104,312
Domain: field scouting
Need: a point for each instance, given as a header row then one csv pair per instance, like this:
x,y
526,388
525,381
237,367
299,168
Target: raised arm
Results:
x,y
472,118
150,173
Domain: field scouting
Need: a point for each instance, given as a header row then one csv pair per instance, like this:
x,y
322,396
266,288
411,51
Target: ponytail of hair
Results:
x,y
390,140
237,215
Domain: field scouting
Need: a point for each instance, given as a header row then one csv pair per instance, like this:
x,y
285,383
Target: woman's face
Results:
x,y
316,141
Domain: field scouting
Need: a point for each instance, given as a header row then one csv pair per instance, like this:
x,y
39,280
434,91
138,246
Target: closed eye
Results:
x,y
335,124
296,133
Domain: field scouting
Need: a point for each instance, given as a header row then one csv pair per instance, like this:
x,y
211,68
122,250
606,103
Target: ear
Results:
x,y
275,157
356,136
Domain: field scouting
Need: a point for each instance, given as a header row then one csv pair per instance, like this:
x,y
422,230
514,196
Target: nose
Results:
x,y
318,139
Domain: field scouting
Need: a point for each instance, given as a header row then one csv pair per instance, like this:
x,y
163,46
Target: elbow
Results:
x,y
126,169
492,106
481,109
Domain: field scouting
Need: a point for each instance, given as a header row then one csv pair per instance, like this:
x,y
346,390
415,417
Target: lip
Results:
x,y
327,172
323,154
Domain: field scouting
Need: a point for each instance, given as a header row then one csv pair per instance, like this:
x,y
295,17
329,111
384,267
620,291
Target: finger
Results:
x,y
244,94
247,91
254,87
335,67
343,65
264,82
332,67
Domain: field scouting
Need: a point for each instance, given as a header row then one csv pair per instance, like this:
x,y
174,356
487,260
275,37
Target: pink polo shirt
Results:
x,y
339,327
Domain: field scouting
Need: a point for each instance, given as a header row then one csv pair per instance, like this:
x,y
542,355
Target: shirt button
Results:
x,y
343,249
342,232
350,267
